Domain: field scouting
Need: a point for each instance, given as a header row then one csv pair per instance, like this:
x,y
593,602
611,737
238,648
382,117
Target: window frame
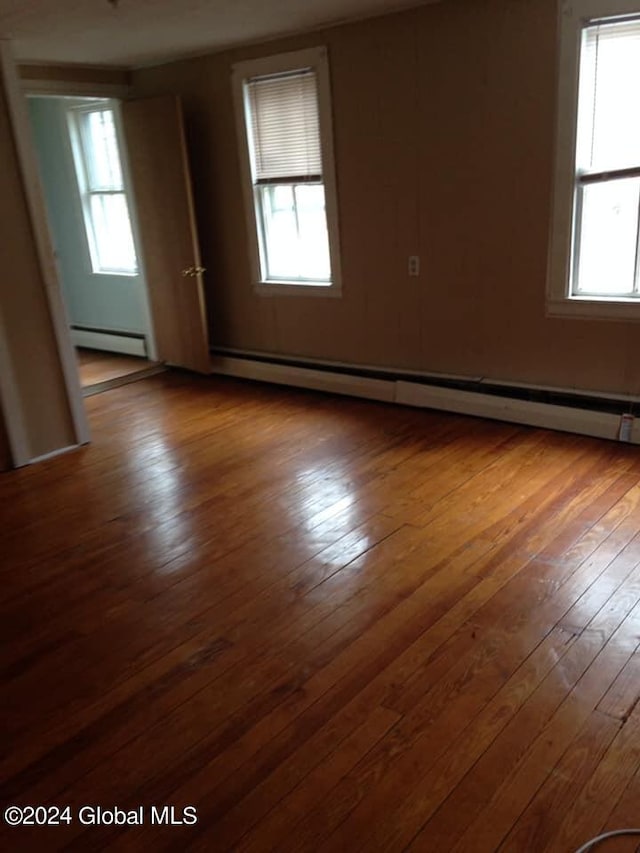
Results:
x,y
78,147
315,58
574,16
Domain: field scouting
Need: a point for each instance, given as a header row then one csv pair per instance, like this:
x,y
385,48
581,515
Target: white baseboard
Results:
x,y
303,377
547,415
512,410
343,366
52,454
109,342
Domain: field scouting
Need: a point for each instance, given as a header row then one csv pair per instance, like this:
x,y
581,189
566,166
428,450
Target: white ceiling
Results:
x,y
140,32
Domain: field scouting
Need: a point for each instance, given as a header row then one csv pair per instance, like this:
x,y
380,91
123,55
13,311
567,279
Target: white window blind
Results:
x,y
609,109
285,127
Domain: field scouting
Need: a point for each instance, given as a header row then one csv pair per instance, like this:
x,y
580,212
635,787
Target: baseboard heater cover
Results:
x,y
547,415
581,420
349,384
109,341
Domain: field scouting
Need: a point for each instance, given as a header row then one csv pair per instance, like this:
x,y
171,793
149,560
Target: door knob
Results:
x,y
193,271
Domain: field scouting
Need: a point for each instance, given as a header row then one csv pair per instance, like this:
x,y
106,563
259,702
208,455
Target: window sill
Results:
x,y
116,274
283,288
595,308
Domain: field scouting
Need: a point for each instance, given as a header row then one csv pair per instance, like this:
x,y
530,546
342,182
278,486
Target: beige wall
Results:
x,y
444,133
75,74
24,314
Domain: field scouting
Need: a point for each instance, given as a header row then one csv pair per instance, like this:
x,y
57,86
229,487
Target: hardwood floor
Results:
x,y
327,624
97,367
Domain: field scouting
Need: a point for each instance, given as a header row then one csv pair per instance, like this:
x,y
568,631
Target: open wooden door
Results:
x,y
159,168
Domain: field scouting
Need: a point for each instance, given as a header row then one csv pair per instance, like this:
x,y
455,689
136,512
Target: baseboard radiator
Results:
x,y
124,343
600,416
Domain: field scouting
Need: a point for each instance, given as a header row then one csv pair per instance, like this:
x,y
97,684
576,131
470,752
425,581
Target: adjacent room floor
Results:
x,y
97,367
326,624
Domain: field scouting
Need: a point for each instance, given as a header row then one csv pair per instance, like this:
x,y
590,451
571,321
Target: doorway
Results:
x,y
40,388
84,175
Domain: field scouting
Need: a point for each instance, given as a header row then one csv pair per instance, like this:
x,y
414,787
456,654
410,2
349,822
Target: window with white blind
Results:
x,y
100,182
285,126
595,244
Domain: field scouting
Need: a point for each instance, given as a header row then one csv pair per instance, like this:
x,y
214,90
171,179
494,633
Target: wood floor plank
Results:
x,y
622,697
97,366
385,796
327,624
587,815
476,789
50,666
452,765
624,815
445,710
538,824
518,788
304,797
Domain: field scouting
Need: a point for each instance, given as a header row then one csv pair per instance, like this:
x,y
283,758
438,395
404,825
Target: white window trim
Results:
x,y
317,59
573,16
80,167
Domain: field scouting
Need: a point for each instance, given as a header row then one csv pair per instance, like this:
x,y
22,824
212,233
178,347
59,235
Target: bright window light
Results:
x,y
104,202
607,200
295,231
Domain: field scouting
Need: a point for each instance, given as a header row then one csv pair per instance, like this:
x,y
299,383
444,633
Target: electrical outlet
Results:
x,y
414,265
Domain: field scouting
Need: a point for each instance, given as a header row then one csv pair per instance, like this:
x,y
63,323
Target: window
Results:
x,y
287,154
104,203
595,247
